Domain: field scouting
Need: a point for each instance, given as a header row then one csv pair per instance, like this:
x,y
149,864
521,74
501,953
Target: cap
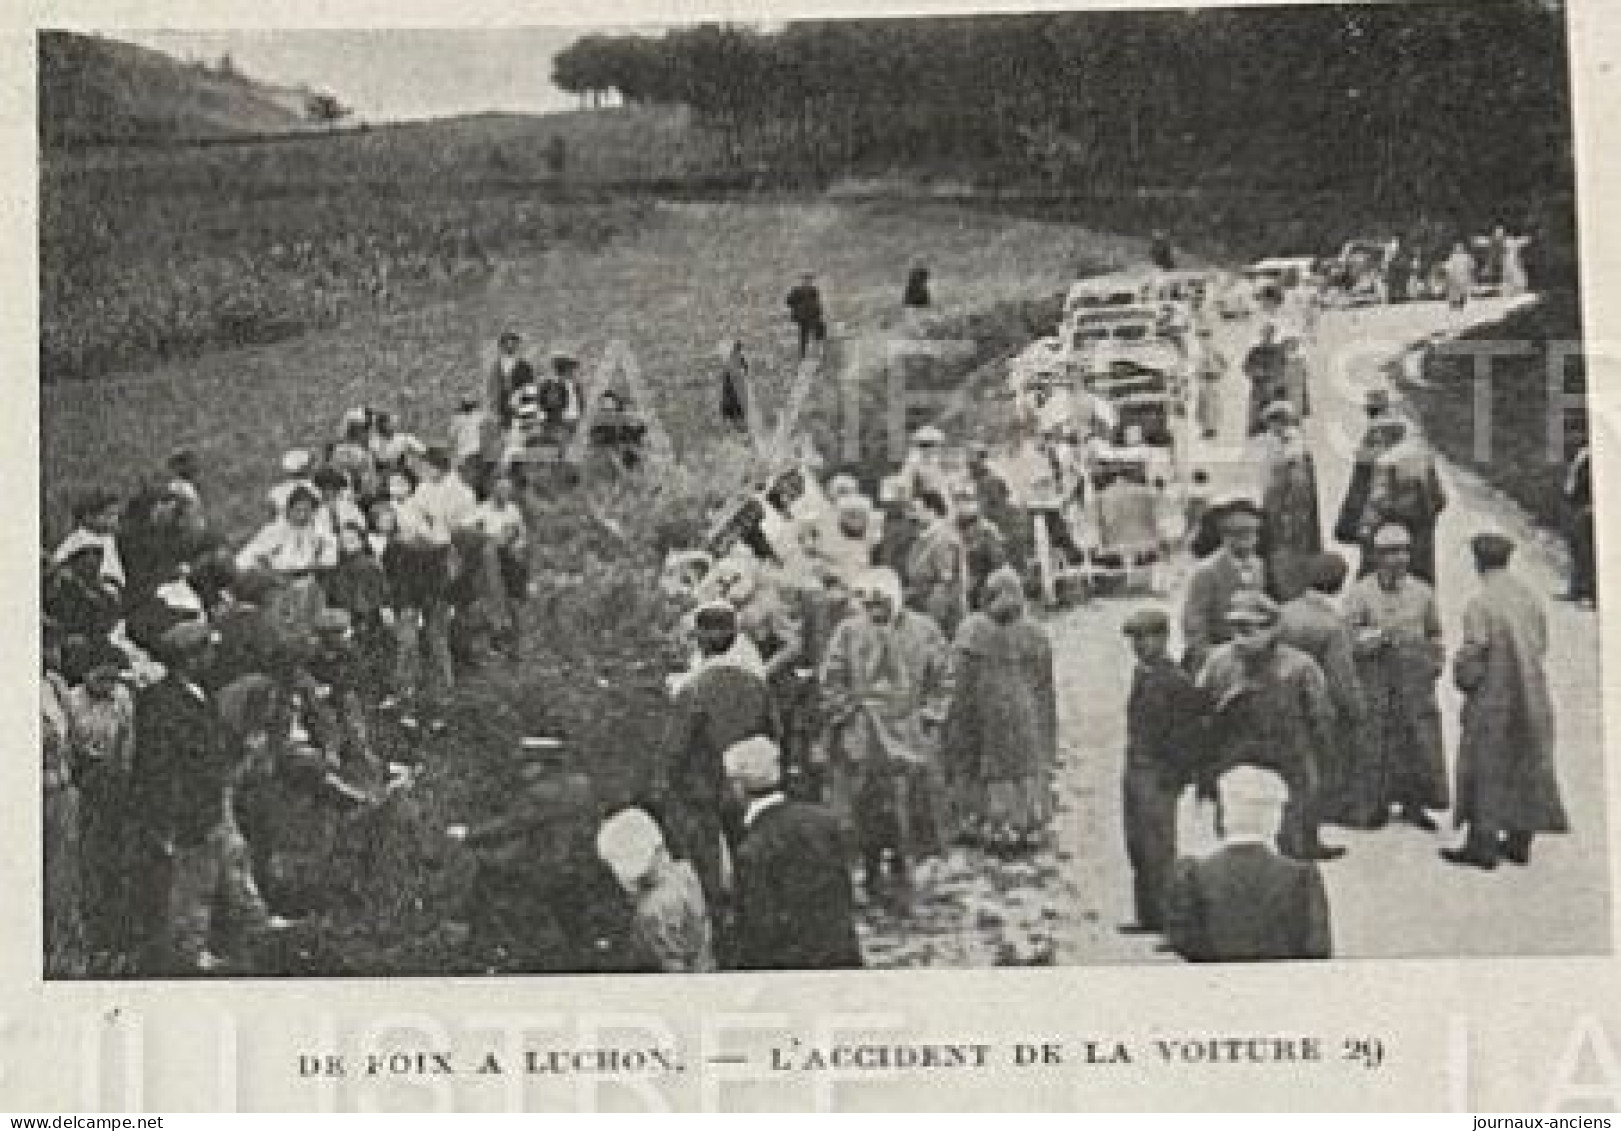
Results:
x,y
1376,400
1147,622
332,622
928,437
1251,607
1234,507
1280,410
629,843
754,763
1392,536
298,461
1492,550
715,616
186,636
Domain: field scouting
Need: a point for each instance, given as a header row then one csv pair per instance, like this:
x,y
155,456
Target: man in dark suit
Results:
x,y
796,906
1237,566
509,372
717,706
805,310
184,768
1245,902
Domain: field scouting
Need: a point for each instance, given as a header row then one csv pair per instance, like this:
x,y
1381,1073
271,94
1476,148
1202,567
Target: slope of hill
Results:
x,y
99,90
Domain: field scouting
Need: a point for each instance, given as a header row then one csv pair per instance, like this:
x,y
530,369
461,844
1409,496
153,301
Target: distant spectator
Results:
x,y
916,295
734,384
805,310
1160,252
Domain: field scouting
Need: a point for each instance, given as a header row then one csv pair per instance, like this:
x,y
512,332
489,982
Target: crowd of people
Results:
x,y
867,691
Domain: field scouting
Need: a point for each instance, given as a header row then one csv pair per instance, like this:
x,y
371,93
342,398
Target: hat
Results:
x,y
754,763
1251,607
883,581
928,437
842,486
298,461
1392,536
1325,572
1234,506
715,616
186,637
1491,550
1252,801
329,479
92,503
629,843
563,357
332,622
1376,400
1148,622
355,417
1280,410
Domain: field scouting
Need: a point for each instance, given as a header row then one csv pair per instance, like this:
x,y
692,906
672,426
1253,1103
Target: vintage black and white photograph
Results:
x,y
1069,488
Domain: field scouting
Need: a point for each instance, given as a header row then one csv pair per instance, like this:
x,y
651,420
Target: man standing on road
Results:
x,y
1507,788
1164,715
1396,627
1312,623
1270,708
805,310
1245,903
1266,365
1236,566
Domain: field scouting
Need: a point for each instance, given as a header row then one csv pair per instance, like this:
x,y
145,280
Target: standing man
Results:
x,y
886,682
1312,622
1164,716
795,907
1246,903
1236,566
1289,501
937,565
1270,708
1267,367
1579,524
719,705
1508,790
805,311
1396,628
1405,487
1160,252
509,371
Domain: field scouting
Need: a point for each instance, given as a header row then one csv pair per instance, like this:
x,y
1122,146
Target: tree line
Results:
x,y
1446,103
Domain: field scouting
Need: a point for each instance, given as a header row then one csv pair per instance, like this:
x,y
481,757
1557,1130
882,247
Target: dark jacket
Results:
x,y
796,910
1165,720
183,762
1246,903
805,304
499,393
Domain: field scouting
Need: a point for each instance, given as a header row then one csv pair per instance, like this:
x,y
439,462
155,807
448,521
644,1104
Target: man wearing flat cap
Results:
x,y
1165,716
719,704
795,906
1270,708
1396,629
1507,785
1235,567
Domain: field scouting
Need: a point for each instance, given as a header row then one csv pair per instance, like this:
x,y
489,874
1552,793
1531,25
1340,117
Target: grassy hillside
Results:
x,y
97,90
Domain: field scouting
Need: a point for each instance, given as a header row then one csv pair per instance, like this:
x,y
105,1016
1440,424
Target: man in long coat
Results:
x,y
1236,566
1396,631
1507,787
720,704
1313,623
886,685
1289,501
796,910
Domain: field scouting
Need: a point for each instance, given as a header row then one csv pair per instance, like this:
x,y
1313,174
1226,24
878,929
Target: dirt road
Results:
x,y
1391,895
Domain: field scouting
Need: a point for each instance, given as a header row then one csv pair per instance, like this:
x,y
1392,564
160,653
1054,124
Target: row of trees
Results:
x,y
1414,98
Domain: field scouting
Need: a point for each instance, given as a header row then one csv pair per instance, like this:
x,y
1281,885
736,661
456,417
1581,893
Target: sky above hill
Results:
x,y
391,75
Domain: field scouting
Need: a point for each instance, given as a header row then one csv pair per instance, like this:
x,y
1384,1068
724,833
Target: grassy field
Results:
x,y
598,642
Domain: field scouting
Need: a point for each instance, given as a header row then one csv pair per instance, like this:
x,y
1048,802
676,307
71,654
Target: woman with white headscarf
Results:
x,y
886,682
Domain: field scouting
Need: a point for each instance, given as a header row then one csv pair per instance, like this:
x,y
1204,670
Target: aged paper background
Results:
x,y
1512,1035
